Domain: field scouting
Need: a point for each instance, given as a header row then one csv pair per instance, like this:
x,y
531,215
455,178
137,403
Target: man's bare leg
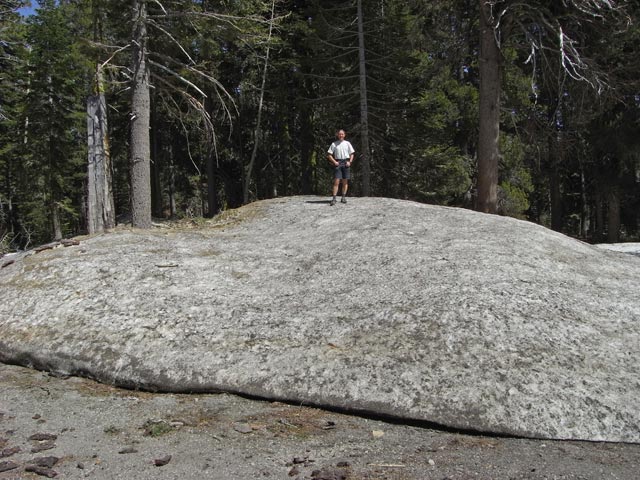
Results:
x,y
336,184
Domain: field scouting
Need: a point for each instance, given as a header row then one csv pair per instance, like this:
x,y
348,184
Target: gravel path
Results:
x,y
76,428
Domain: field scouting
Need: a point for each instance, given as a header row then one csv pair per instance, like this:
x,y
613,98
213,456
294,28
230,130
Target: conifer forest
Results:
x,y
118,111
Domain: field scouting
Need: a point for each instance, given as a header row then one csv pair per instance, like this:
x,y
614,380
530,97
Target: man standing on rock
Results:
x,y
341,157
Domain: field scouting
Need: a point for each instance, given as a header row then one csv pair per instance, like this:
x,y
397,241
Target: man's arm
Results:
x,y
332,160
351,156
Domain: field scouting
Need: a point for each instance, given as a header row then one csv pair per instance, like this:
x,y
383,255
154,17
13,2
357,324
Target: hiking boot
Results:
x,y
344,200
332,202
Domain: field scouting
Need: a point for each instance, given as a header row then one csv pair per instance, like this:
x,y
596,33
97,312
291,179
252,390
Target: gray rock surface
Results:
x,y
439,314
106,433
628,247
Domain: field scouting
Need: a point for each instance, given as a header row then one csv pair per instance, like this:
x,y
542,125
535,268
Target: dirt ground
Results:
x,y
77,428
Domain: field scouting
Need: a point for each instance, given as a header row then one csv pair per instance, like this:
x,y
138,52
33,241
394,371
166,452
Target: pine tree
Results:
x,y
542,27
56,123
13,81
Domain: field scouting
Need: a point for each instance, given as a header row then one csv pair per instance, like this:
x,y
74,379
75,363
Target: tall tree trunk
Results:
x,y
256,133
140,120
364,109
598,234
212,188
156,184
55,220
613,213
490,85
306,150
555,183
173,208
555,193
585,213
100,205
213,204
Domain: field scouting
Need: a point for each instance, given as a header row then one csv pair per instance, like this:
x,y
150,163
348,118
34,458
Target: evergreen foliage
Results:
x,y
569,149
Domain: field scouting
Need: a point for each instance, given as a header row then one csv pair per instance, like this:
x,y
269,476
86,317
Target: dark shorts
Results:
x,y
342,172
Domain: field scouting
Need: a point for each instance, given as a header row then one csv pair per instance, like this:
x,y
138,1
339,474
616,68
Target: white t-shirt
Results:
x,y
341,149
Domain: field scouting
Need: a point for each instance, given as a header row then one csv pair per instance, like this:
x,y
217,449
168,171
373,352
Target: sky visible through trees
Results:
x,y
27,11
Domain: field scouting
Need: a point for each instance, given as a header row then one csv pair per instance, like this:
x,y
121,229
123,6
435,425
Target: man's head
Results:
x,y
340,134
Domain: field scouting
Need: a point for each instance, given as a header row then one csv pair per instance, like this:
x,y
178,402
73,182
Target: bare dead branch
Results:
x,y
217,84
178,76
172,38
160,5
106,62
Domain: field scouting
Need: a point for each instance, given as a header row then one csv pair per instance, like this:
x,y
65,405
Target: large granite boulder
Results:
x,y
445,315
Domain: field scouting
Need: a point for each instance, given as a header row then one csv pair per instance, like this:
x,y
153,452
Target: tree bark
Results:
x,y
306,150
555,183
613,214
140,149
256,134
365,159
100,205
555,193
598,234
156,184
173,208
212,187
55,220
490,86
585,212
213,204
